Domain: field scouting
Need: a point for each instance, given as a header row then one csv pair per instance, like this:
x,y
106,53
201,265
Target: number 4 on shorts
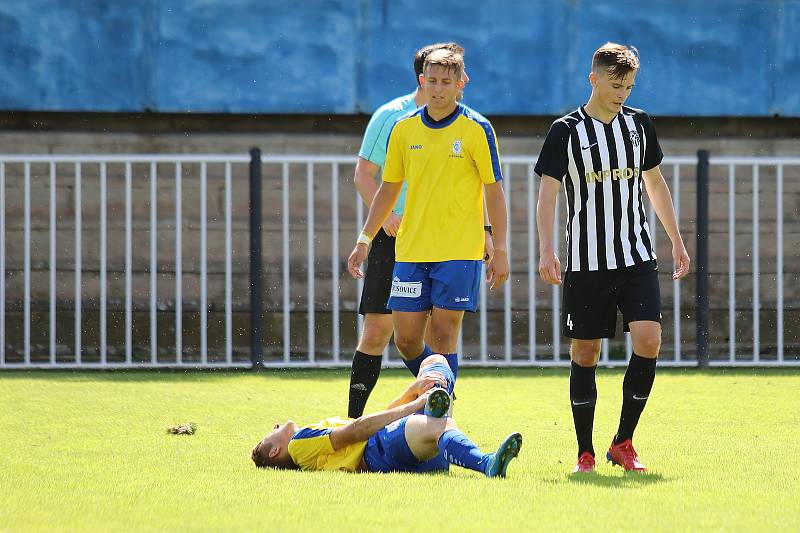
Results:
x,y
569,321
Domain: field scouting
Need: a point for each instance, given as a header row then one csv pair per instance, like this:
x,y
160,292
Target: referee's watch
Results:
x,y
488,228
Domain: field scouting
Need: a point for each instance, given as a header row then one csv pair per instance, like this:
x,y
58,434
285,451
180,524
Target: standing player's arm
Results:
x,y
364,179
659,195
497,271
488,241
381,206
549,265
364,427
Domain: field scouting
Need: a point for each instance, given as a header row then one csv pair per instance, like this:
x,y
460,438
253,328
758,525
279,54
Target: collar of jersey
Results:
x,y
590,117
438,124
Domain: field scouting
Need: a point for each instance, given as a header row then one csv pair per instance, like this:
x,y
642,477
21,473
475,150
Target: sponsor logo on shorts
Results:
x,y
406,289
464,299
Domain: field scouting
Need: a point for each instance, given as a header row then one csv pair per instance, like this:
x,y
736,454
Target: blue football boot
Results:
x,y
508,449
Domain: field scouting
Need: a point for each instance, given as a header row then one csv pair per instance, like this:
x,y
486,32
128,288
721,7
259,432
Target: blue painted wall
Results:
x,y
700,57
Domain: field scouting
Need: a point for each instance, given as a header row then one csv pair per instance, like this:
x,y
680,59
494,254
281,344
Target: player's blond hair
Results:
x,y
450,61
616,59
422,54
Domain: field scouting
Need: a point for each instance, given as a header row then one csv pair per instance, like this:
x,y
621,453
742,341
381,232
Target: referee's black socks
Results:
x,y
636,389
363,377
583,396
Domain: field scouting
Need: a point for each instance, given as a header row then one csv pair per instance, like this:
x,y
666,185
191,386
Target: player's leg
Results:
x,y
584,355
409,329
438,364
444,327
431,438
377,327
375,335
455,288
640,303
410,303
589,314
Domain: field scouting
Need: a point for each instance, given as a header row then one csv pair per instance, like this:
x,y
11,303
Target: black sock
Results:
x,y
636,388
583,396
363,377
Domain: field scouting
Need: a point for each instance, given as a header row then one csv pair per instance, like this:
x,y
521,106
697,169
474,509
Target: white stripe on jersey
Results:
x,y
638,222
624,194
574,223
608,198
591,213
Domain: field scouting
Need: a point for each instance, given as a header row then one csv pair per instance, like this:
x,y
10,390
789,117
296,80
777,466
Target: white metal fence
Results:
x,y
519,326
18,169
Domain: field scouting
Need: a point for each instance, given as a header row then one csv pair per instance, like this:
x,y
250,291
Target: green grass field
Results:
x,y
89,452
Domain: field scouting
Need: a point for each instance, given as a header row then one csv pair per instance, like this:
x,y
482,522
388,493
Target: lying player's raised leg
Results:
x,y
429,438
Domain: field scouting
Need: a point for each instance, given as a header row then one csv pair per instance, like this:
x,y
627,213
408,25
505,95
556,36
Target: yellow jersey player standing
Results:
x,y
448,156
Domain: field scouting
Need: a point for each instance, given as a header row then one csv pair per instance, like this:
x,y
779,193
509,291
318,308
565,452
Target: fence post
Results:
x,y
256,281
701,312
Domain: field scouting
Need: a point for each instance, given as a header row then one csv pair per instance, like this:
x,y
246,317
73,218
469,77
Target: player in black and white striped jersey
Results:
x,y
606,155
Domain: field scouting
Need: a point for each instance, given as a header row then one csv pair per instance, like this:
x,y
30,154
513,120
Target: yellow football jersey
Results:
x,y
311,448
445,164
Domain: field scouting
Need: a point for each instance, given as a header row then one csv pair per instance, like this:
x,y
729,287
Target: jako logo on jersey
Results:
x,y
406,289
613,174
415,147
634,138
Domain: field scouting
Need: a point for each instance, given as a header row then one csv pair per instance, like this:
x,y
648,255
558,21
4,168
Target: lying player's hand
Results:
x,y
550,269
497,270
422,399
392,224
357,256
682,261
428,381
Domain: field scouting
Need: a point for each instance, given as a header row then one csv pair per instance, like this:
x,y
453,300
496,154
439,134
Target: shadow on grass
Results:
x,y
625,481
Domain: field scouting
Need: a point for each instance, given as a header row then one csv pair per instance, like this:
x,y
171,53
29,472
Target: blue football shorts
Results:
x,y
450,285
388,451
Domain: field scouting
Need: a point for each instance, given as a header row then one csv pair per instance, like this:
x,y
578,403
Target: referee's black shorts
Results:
x,y
378,278
591,300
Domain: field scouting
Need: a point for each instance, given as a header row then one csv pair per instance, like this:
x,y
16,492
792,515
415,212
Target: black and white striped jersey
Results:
x,y
600,166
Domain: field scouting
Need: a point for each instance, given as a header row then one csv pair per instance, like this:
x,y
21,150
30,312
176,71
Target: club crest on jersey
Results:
x,y
634,138
457,149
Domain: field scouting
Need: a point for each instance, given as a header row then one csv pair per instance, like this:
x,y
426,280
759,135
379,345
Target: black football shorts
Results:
x,y
591,300
378,277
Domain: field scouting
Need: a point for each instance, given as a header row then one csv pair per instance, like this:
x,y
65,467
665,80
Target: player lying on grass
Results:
x,y
414,434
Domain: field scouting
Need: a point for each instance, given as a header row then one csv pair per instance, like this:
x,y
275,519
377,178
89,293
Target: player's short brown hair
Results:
x,y
260,455
422,54
616,59
450,61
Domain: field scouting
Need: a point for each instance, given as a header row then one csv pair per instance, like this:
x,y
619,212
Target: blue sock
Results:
x,y
452,360
414,364
459,450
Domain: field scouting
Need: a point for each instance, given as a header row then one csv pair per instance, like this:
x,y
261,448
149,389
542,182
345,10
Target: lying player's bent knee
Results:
x,y
434,358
